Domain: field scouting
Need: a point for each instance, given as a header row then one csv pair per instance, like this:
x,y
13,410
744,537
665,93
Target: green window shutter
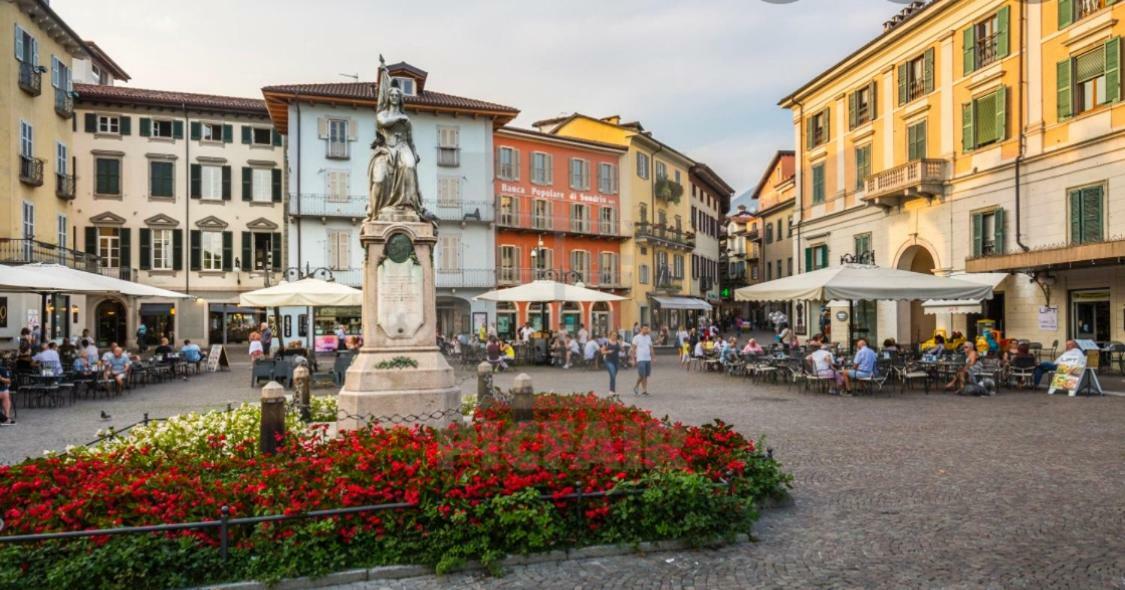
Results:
x,y
177,249
146,248
874,92
275,185
276,137
968,129
1001,110
275,249
929,70
911,131
247,183
1003,37
999,232
969,37
978,234
1063,82
228,133
226,183
1092,222
196,258
146,127
126,236
809,138
92,240
827,125
808,259
228,250
177,129
196,173
246,135
247,255
853,116
1113,70
196,130
91,122
1066,13
153,184
125,124
902,90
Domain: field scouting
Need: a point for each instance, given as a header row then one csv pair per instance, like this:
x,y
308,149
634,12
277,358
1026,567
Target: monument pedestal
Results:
x,y
399,371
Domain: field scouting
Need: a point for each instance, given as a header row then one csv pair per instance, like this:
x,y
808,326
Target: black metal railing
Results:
x,y
31,170
318,205
915,89
465,278
603,278
64,186
31,80
459,210
64,103
528,221
669,236
27,251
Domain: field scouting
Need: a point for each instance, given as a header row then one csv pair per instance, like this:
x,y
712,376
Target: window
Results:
x,y
607,221
509,210
162,249
161,177
1074,10
1089,80
508,164
211,182
816,257
789,231
337,139
861,106
985,120
580,263
108,176
607,178
642,165
449,253
541,165
769,272
339,249
211,250
916,141
642,274
862,244
337,183
211,132
261,185
109,247
862,169
986,41
661,170
754,273
27,47
916,77
62,159
405,84
769,233
579,174
109,124
580,218
789,266
541,214
1087,218
509,263
261,136
818,184
818,129
678,266
28,222
162,128
988,229
644,213
62,232
449,146
27,135
607,265
449,191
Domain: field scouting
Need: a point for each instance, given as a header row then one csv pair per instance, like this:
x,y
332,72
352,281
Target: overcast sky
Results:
x,y
704,76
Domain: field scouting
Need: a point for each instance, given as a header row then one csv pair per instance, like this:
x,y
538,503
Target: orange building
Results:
x,y
558,217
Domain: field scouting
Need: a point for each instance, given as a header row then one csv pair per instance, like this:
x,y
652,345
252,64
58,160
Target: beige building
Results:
x,y
710,200
180,191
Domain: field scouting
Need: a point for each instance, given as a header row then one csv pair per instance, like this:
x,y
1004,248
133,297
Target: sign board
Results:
x,y
1073,375
217,358
1049,318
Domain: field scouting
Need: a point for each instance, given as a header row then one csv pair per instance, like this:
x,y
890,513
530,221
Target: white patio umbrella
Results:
x,y
25,279
303,293
544,291
89,282
857,282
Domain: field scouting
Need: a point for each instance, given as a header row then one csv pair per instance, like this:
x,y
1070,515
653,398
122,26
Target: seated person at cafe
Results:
x,y
730,351
968,372
6,395
938,349
82,366
191,352
752,347
108,353
590,353
91,352
509,351
889,345
700,349
164,349
117,367
495,354
48,359
824,364
572,351
1070,356
864,364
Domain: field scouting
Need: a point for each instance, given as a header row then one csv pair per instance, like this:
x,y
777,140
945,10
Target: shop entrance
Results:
x,y
160,321
453,316
110,323
918,259
506,320
1089,315
228,323
600,318
571,317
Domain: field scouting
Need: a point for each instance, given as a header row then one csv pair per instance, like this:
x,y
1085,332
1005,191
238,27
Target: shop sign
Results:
x,y
1049,318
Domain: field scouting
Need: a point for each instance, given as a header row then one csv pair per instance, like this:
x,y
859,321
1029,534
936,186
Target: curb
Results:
x,y
398,572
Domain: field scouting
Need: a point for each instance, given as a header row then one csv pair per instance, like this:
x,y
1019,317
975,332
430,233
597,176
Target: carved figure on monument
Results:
x,y
392,173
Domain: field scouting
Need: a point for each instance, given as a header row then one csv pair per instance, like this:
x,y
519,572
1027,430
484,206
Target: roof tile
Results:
x,y
366,91
126,95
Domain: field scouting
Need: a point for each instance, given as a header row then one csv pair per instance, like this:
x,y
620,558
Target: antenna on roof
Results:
x,y
352,76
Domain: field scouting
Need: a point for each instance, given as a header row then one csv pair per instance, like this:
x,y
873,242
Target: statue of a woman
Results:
x,y
393,170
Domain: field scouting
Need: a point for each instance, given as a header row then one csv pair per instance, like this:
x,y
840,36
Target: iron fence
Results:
x,y
26,251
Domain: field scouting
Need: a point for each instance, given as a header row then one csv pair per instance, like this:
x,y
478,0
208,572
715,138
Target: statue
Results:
x,y
392,173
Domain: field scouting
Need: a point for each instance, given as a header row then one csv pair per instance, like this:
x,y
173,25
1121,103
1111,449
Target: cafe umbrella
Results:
x,y
310,292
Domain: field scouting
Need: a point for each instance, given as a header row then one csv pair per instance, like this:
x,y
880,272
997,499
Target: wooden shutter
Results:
x,y
853,116
928,64
146,127
228,133
808,259
1066,13
978,234
177,129
1063,87
1003,36
352,129
247,183
810,137
968,129
1076,216
196,173
247,251
1001,112
999,232
196,257
333,254
146,248
92,240
226,183
969,39
177,249
196,130
228,250
276,137
873,102
275,185
827,114
515,164
1091,214
91,123
902,86
321,128
275,249
126,237
125,125
246,134
1113,69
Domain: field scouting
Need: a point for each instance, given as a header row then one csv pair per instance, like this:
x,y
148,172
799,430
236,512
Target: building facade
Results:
x,y
559,217
330,128
739,258
180,191
775,194
710,201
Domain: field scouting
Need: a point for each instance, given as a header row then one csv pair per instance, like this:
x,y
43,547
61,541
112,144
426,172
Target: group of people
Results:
x,y
825,365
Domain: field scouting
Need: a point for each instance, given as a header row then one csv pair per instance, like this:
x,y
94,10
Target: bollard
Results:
x,y
273,416
484,384
301,393
523,397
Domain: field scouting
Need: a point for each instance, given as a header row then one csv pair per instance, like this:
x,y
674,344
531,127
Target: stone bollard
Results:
x,y
523,397
301,393
484,384
273,417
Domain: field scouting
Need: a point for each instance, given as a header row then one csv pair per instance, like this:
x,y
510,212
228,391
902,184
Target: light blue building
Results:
x,y
330,128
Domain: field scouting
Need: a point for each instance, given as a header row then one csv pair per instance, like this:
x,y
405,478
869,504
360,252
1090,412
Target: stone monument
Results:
x,y
399,371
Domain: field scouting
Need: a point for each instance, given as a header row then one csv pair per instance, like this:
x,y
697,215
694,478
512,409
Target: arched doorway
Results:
x,y
918,259
110,320
506,320
571,317
600,319
454,316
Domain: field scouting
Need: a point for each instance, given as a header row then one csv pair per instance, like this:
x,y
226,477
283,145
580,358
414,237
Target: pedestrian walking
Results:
x,y
642,358
611,355
142,333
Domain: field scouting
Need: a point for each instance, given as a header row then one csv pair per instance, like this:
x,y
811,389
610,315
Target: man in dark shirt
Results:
x,y
495,353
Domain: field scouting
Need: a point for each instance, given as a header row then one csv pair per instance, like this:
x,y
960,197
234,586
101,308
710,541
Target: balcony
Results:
x,y
753,235
64,186
462,211
1084,8
599,279
526,222
986,51
1053,257
64,104
31,171
352,277
31,79
920,178
668,237
459,278
313,205
25,251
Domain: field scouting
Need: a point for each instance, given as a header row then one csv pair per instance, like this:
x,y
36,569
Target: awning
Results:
x,y
303,293
857,282
954,306
32,278
682,303
544,291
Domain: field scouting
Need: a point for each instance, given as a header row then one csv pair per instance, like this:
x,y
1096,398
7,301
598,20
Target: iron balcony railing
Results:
x,y
920,177
352,277
27,251
458,210
31,171
64,186
592,278
915,89
447,278
753,234
316,205
31,79
663,235
1084,8
528,221
64,103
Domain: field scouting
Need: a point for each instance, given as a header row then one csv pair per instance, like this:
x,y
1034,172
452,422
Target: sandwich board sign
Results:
x,y
217,358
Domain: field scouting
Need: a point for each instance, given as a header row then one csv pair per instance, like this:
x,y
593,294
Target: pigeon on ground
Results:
x,y
105,416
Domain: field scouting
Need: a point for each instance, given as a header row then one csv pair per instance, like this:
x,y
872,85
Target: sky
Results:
x,y
705,76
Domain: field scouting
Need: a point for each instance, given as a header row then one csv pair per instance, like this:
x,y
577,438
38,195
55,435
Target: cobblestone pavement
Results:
x,y
1021,490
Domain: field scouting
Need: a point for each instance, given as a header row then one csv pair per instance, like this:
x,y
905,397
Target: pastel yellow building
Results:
x,y
975,138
